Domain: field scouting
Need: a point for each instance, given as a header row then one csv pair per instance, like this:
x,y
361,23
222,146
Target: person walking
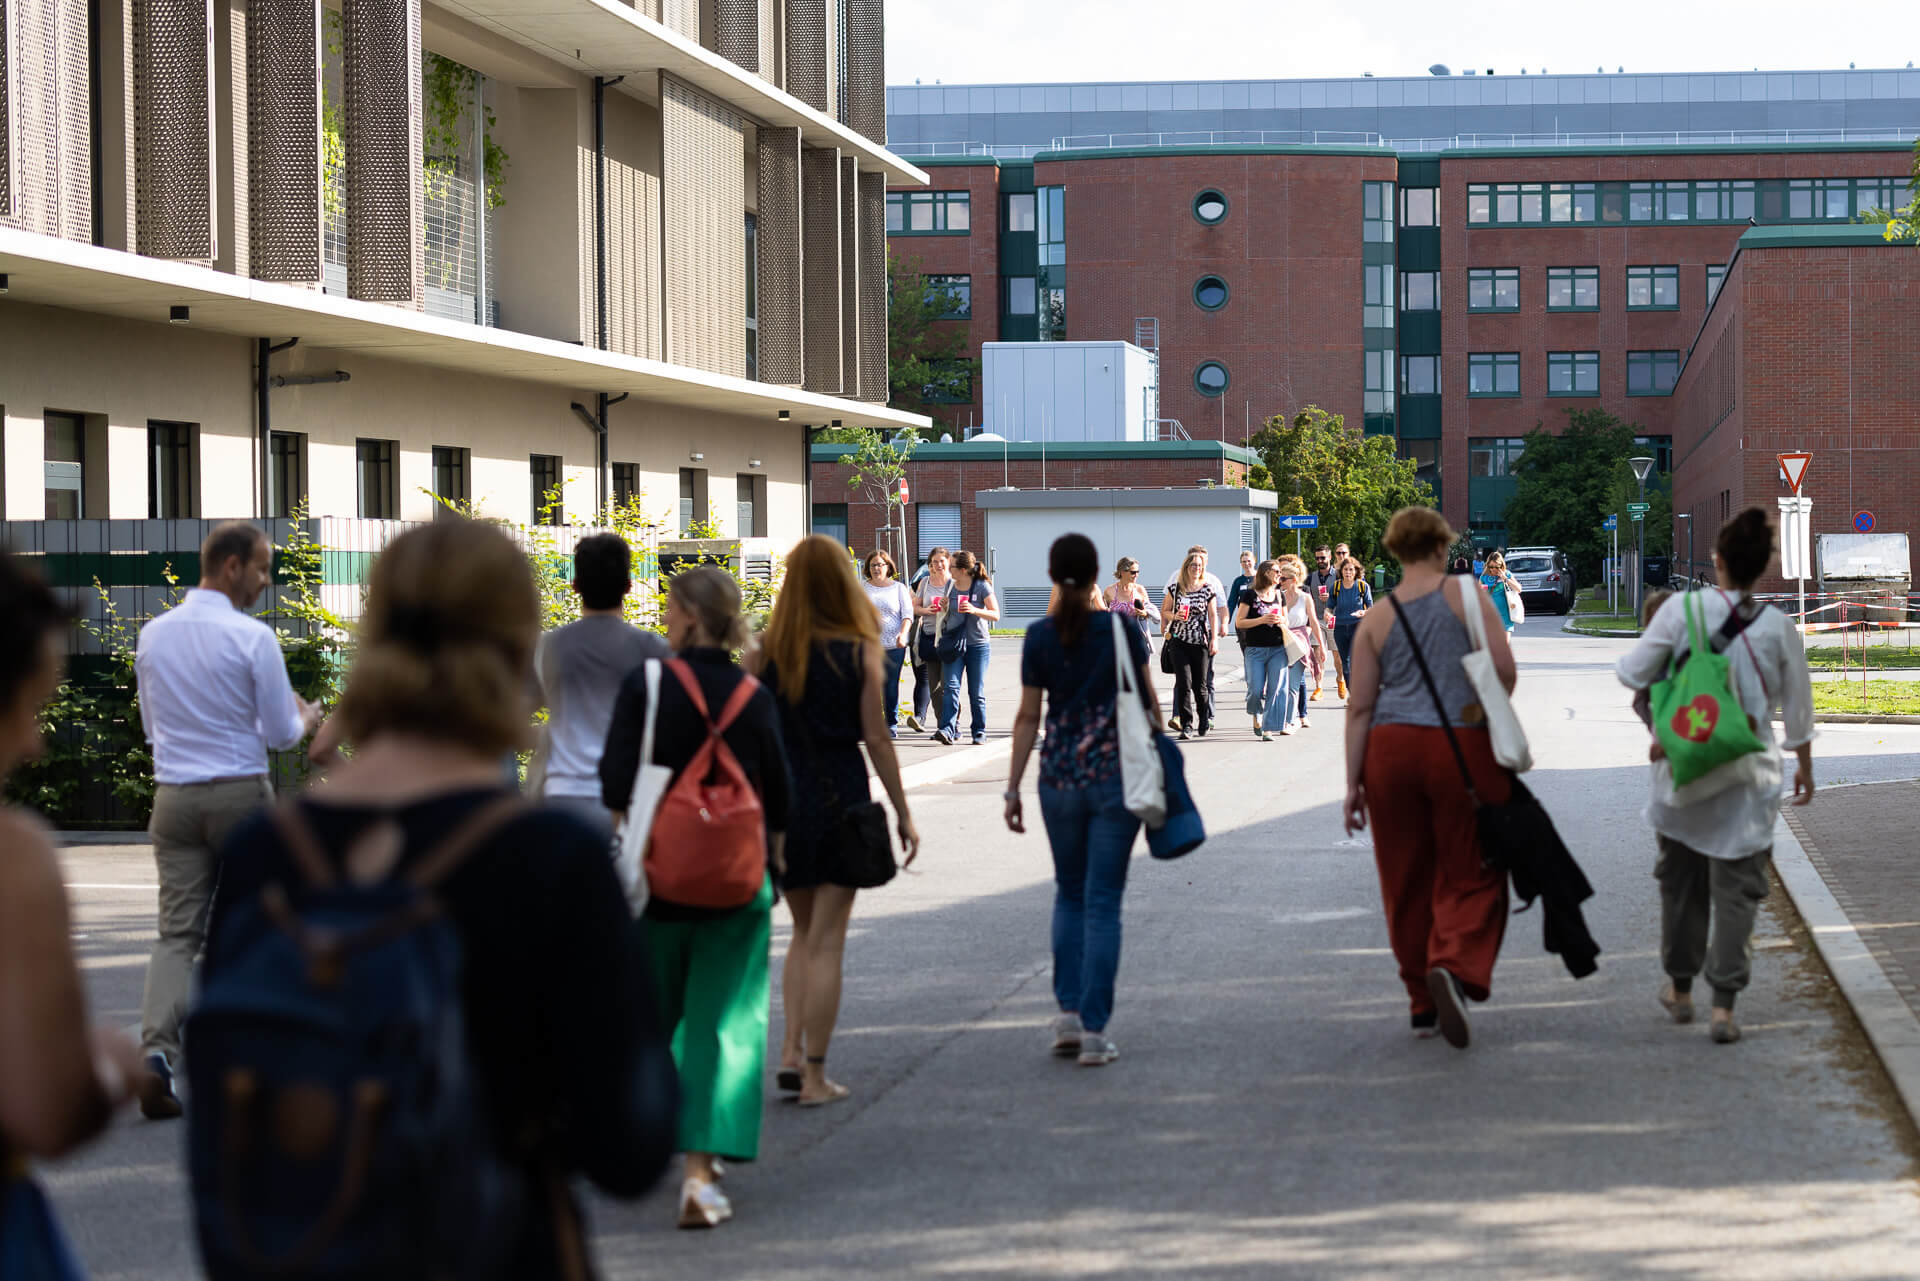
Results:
x,y
1192,613
1222,610
709,964
60,1080
1715,848
894,605
214,696
1352,598
563,1046
820,655
1126,596
1235,590
1495,578
929,681
1446,910
1318,584
1068,657
580,668
1302,615
1260,618
970,605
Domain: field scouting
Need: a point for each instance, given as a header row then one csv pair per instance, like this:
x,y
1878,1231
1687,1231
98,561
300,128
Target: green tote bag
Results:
x,y
1696,715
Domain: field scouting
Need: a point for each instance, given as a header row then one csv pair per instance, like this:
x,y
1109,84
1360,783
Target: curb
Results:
x,y
102,836
1569,628
1863,718
1889,1021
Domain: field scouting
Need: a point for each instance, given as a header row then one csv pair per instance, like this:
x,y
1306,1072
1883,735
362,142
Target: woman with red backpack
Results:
x,y
715,848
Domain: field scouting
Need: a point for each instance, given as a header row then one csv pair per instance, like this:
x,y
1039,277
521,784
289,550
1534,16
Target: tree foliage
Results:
x,y
1565,485
875,469
1902,224
1352,482
926,361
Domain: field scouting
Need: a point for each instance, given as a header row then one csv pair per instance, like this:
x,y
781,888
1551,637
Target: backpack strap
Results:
x,y
442,859
735,704
296,833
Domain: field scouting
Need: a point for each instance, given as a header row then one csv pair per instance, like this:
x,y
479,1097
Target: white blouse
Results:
x,y
1768,669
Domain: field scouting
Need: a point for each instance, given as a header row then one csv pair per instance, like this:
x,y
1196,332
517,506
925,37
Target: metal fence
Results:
x,y
1459,141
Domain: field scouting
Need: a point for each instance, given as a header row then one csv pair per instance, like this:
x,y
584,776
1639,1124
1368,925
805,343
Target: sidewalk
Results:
x,y
1861,841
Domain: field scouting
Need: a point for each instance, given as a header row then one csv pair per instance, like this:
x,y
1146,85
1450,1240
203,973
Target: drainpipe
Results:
x,y
263,411
600,86
806,479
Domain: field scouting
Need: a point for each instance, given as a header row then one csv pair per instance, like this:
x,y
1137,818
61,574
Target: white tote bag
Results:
x,y
1503,727
1143,781
649,785
1516,608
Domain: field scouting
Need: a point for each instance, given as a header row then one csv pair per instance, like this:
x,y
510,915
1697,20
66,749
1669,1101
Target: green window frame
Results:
x,y
1379,382
1573,289
1419,206
929,213
1723,201
1659,202
1419,291
1376,212
1652,373
1210,293
1716,276
1419,375
1378,305
1654,202
1573,373
1493,289
1211,378
959,292
1494,455
1492,374
1653,288
1571,202
1211,207
1819,199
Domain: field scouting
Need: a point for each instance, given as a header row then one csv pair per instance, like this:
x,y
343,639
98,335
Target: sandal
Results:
x,y
787,1080
835,1093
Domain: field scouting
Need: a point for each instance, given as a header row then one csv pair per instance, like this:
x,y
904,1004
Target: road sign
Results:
x,y
1793,470
1299,522
1639,507
1636,516
1863,522
1611,522
903,491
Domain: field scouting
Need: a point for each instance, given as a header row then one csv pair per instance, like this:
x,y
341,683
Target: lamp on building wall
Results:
x,y
785,415
753,462
178,314
3,282
697,456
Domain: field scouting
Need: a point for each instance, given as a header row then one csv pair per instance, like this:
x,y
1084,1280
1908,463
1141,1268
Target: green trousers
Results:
x,y
711,977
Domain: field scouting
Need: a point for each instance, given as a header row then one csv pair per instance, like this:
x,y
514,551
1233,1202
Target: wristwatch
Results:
x,y
1011,794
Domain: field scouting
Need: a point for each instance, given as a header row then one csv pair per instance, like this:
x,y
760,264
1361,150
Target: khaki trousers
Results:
x,y
190,825
1707,910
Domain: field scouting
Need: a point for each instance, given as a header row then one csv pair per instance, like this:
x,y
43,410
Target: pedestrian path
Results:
x,y
1862,840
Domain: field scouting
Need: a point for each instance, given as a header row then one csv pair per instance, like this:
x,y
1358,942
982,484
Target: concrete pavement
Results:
x,y
1270,1116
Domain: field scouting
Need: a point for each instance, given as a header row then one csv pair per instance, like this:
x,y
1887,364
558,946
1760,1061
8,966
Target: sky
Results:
x,y
998,41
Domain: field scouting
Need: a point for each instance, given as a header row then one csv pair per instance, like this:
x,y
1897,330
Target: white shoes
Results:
x,y
1066,1034
703,1205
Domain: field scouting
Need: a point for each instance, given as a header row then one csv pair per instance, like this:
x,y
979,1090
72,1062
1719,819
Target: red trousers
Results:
x,y
1444,910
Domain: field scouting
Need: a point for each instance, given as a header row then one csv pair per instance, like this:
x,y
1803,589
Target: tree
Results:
x,y
1566,484
1352,482
1903,223
875,468
926,361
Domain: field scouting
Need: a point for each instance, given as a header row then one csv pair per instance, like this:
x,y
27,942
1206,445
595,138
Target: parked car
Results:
x,y
1545,578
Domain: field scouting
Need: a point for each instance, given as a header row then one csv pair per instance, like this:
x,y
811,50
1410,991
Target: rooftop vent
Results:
x,y
1439,69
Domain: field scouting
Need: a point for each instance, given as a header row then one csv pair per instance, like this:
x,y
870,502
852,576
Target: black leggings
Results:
x,y
1192,665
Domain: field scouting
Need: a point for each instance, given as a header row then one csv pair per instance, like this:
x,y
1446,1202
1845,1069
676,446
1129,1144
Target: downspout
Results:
x,y
600,86
806,482
263,411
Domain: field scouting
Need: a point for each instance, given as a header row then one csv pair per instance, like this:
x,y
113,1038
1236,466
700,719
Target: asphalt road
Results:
x,y
1270,1115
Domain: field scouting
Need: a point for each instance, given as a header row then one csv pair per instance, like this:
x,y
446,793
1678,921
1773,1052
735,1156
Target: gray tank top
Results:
x,y
1403,698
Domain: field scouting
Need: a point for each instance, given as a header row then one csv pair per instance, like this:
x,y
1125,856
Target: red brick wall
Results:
x,y
977,255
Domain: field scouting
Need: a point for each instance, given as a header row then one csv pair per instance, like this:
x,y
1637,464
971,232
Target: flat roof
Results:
x,y
1814,235
1025,450
1194,496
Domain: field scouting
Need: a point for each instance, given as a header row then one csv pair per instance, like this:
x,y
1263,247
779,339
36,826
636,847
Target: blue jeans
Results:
x,y
1091,832
973,665
1293,686
1343,634
890,683
1266,684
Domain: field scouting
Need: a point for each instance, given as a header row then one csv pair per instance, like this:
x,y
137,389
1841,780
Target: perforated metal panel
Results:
x,y
733,31
703,183
45,150
782,333
865,89
683,16
849,278
871,214
633,258
173,128
381,44
807,52
283,139
74,133
7,148
820,266
770,41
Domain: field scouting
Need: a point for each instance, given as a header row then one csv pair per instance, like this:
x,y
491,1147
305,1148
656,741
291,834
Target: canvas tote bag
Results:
x,y
1142,779
1503,727
649,785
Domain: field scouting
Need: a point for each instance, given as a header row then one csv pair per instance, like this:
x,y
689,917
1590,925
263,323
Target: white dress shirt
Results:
x,y
1768,669
214,693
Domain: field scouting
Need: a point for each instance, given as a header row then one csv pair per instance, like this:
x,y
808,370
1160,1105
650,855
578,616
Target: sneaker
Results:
x,y
1724,1030
1203,731
1067,1034
1315,696
1343,687
943,738
913,723
158,1102
1184,736
1286,731
1097,1050
1426,1024
1450,1006
1305,723
978,739
1265,737
703,1205
1679,1005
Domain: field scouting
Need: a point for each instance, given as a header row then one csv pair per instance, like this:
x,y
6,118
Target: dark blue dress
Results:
x,y
822,737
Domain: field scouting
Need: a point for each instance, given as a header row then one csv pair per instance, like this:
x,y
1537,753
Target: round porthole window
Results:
x,y
1210,378
1210,293
1210,207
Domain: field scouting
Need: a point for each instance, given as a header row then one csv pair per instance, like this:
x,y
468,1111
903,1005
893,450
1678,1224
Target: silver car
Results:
x,y
1545,577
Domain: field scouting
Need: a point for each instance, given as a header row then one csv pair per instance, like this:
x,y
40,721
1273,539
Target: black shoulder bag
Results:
x,y
1514,833
862,857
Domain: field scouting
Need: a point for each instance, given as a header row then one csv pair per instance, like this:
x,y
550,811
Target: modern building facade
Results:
x,y
260,254
1453,260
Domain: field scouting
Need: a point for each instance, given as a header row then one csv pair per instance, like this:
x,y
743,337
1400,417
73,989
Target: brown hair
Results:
x,y
1745,545
969,564
709,594
446,648
1196,561
820,600
1651,605
1126,563
29,613
1345,564
1418,533
879,554
1266,574
226,541
1493,558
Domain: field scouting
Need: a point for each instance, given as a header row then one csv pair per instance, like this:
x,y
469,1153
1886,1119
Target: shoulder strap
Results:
x,y
1433,691
296,833
652,679
450,853
736,703
678,666
1470,615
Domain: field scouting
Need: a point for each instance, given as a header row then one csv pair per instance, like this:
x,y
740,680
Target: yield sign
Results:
x,y
1794,468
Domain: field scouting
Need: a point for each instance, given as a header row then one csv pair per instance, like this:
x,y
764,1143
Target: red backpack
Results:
x,y
708,847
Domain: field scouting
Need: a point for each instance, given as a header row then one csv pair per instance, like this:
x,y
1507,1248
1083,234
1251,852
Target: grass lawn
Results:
x,y
1827,658
1587,603
1604,622
1885,698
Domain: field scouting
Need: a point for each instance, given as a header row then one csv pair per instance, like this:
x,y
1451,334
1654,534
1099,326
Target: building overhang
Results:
x,y
607,38
1200,496
47,271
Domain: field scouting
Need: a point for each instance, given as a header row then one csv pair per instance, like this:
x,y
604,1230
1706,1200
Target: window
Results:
x,y
1508,204
1376,212
1210,206
1660,448
1493,289
1020,213
930,213
1419,207
1425,455
548,504
1819,199
1714,276
1210,293
830,519
1493,373
1419,375
952,296
1573,289
1889,194
753,297
286,473
170,471
1378,313
935,525
1051,206
1652,373
374,479
1420,291
66,465
693,499
451,466
1653,288
1570,202
1020,295
750,505
1573,373
1479,203
1210,378
1379,389
1723,201
1659,201
626,483
1494,455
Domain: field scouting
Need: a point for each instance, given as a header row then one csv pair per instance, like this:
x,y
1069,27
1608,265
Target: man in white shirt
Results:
x,y
214,696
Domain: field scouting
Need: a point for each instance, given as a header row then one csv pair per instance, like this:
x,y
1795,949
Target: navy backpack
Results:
x,y
336,1127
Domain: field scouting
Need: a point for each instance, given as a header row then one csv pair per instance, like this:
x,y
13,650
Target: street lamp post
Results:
x,y
1641,466
1688,517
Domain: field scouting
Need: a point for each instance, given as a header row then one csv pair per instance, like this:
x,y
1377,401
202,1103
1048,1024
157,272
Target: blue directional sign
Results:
x,y
1611,522
1299,522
